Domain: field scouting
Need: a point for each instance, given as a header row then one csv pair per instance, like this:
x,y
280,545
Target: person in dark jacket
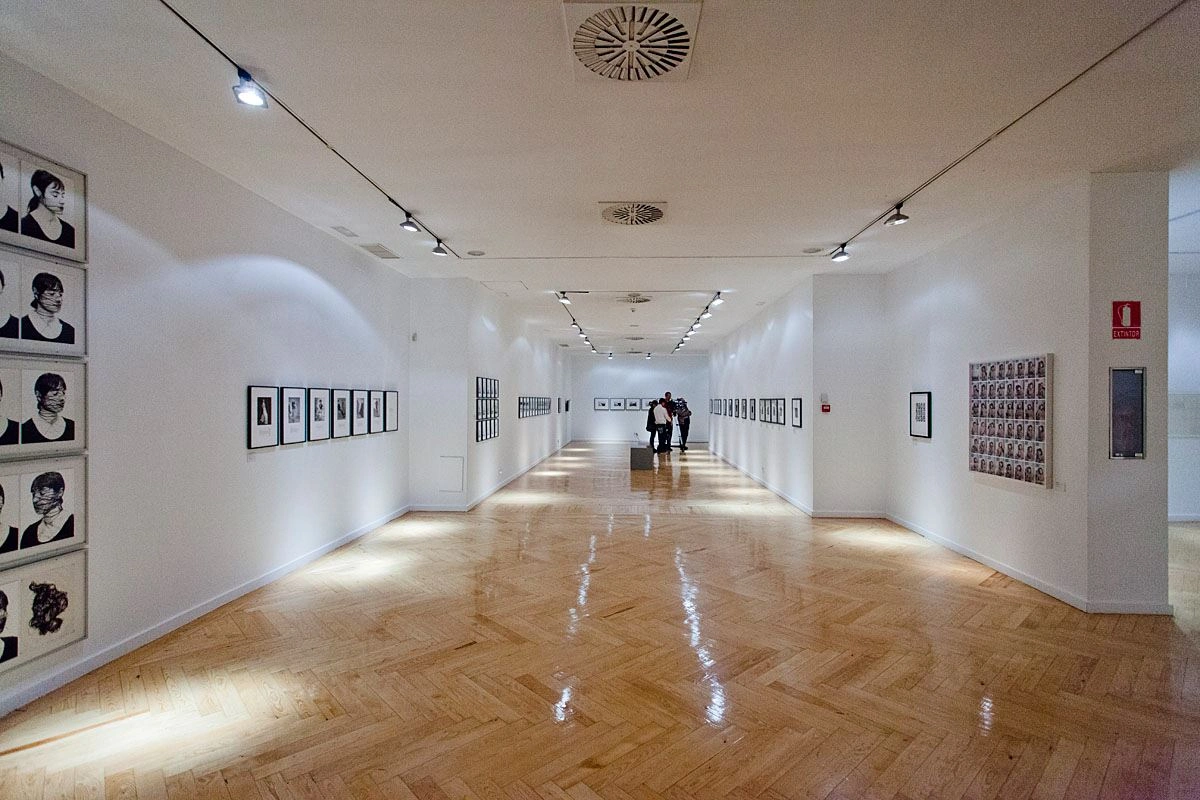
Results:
x,y
650,426
683,418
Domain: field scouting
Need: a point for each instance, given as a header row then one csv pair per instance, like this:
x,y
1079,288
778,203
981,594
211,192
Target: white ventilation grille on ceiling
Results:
x,y
632,42
378,250
634,298
344,231
632,212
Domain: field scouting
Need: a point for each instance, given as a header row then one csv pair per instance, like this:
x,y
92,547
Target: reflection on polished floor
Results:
x,y
678,633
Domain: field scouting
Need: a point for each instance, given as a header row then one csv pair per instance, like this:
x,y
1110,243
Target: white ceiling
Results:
x,y
799,122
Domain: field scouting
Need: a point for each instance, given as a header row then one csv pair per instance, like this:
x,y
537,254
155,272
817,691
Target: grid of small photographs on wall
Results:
x,y
532,406
773,410
1011,416
487,408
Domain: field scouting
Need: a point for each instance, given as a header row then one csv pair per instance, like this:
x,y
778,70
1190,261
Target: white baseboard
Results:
x,y
1183,518
32,690
849,514
766,485
439,507
489,492
1036,583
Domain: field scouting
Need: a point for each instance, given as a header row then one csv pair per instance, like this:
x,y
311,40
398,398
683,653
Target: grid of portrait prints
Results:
x,y
533,406
43,606
487,408
43,204
1011,415
294,414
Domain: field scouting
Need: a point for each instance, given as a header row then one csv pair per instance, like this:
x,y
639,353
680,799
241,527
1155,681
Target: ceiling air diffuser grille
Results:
x,y
378,250
636,213
632,42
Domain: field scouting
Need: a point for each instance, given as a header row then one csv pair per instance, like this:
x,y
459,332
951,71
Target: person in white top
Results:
x,y
662,419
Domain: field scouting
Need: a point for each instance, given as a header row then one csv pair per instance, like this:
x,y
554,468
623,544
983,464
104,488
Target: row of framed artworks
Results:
x,y
532,406
43,607
772,410
291,414
623,403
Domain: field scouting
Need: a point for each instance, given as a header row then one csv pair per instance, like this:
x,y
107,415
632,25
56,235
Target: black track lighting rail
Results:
x,y
696,324
313,131
941,172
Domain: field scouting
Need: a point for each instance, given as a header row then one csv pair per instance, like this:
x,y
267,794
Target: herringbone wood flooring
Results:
x,y
586,633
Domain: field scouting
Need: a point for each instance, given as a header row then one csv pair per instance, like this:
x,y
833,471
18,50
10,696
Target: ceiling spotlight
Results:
x,y
249,93
647,356
716,301
696,325
610,356
897,218
683,343
706,314
409,223
582,335
575,325
562,298
840,254
439,250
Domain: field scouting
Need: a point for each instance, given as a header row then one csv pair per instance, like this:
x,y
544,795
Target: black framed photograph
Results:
x,y
558,406
293,415
41,306
42,406
797,412
45,605
319,426
567,406
600,404
744,407
752,408
359,422
1127,407
41,508
340,413
43,204
262,416
920,414
375,411
391,410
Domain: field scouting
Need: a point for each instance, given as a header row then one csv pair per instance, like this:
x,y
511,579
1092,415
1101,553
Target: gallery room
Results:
x,y
545,398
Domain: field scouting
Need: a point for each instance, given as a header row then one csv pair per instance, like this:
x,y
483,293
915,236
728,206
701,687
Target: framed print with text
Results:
x,y
43,204
319,427
293,415
262,416
391,410
341,413
375,411
920,414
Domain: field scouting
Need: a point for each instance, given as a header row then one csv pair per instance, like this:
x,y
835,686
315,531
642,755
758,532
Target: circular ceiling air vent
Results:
x,y
631,43
635,298
632,213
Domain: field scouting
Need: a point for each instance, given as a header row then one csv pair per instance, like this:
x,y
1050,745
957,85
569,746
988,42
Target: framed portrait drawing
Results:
x,y
600,404
41,306
42,407
41,508
262,416
359,424
1127,409
293,415
43,204
920,415
319,426
391,410
797,412
46,607
375,411
340,413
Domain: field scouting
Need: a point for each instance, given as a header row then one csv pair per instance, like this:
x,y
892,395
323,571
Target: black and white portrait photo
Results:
x,y
295,415
9,648
10,516
43,321
45,214
376,411
341,413
359,424
47,514
262,418
391,411
11,408
45,606
42,204
41,306
10,325
318,414
52,406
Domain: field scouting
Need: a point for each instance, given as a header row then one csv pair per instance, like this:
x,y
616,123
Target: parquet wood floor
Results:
x,y
675,634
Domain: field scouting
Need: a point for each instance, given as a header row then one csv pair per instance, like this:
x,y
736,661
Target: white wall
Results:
x,y
770,356
1183,499
198,288
625,376
850,342
463,331
1015,287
